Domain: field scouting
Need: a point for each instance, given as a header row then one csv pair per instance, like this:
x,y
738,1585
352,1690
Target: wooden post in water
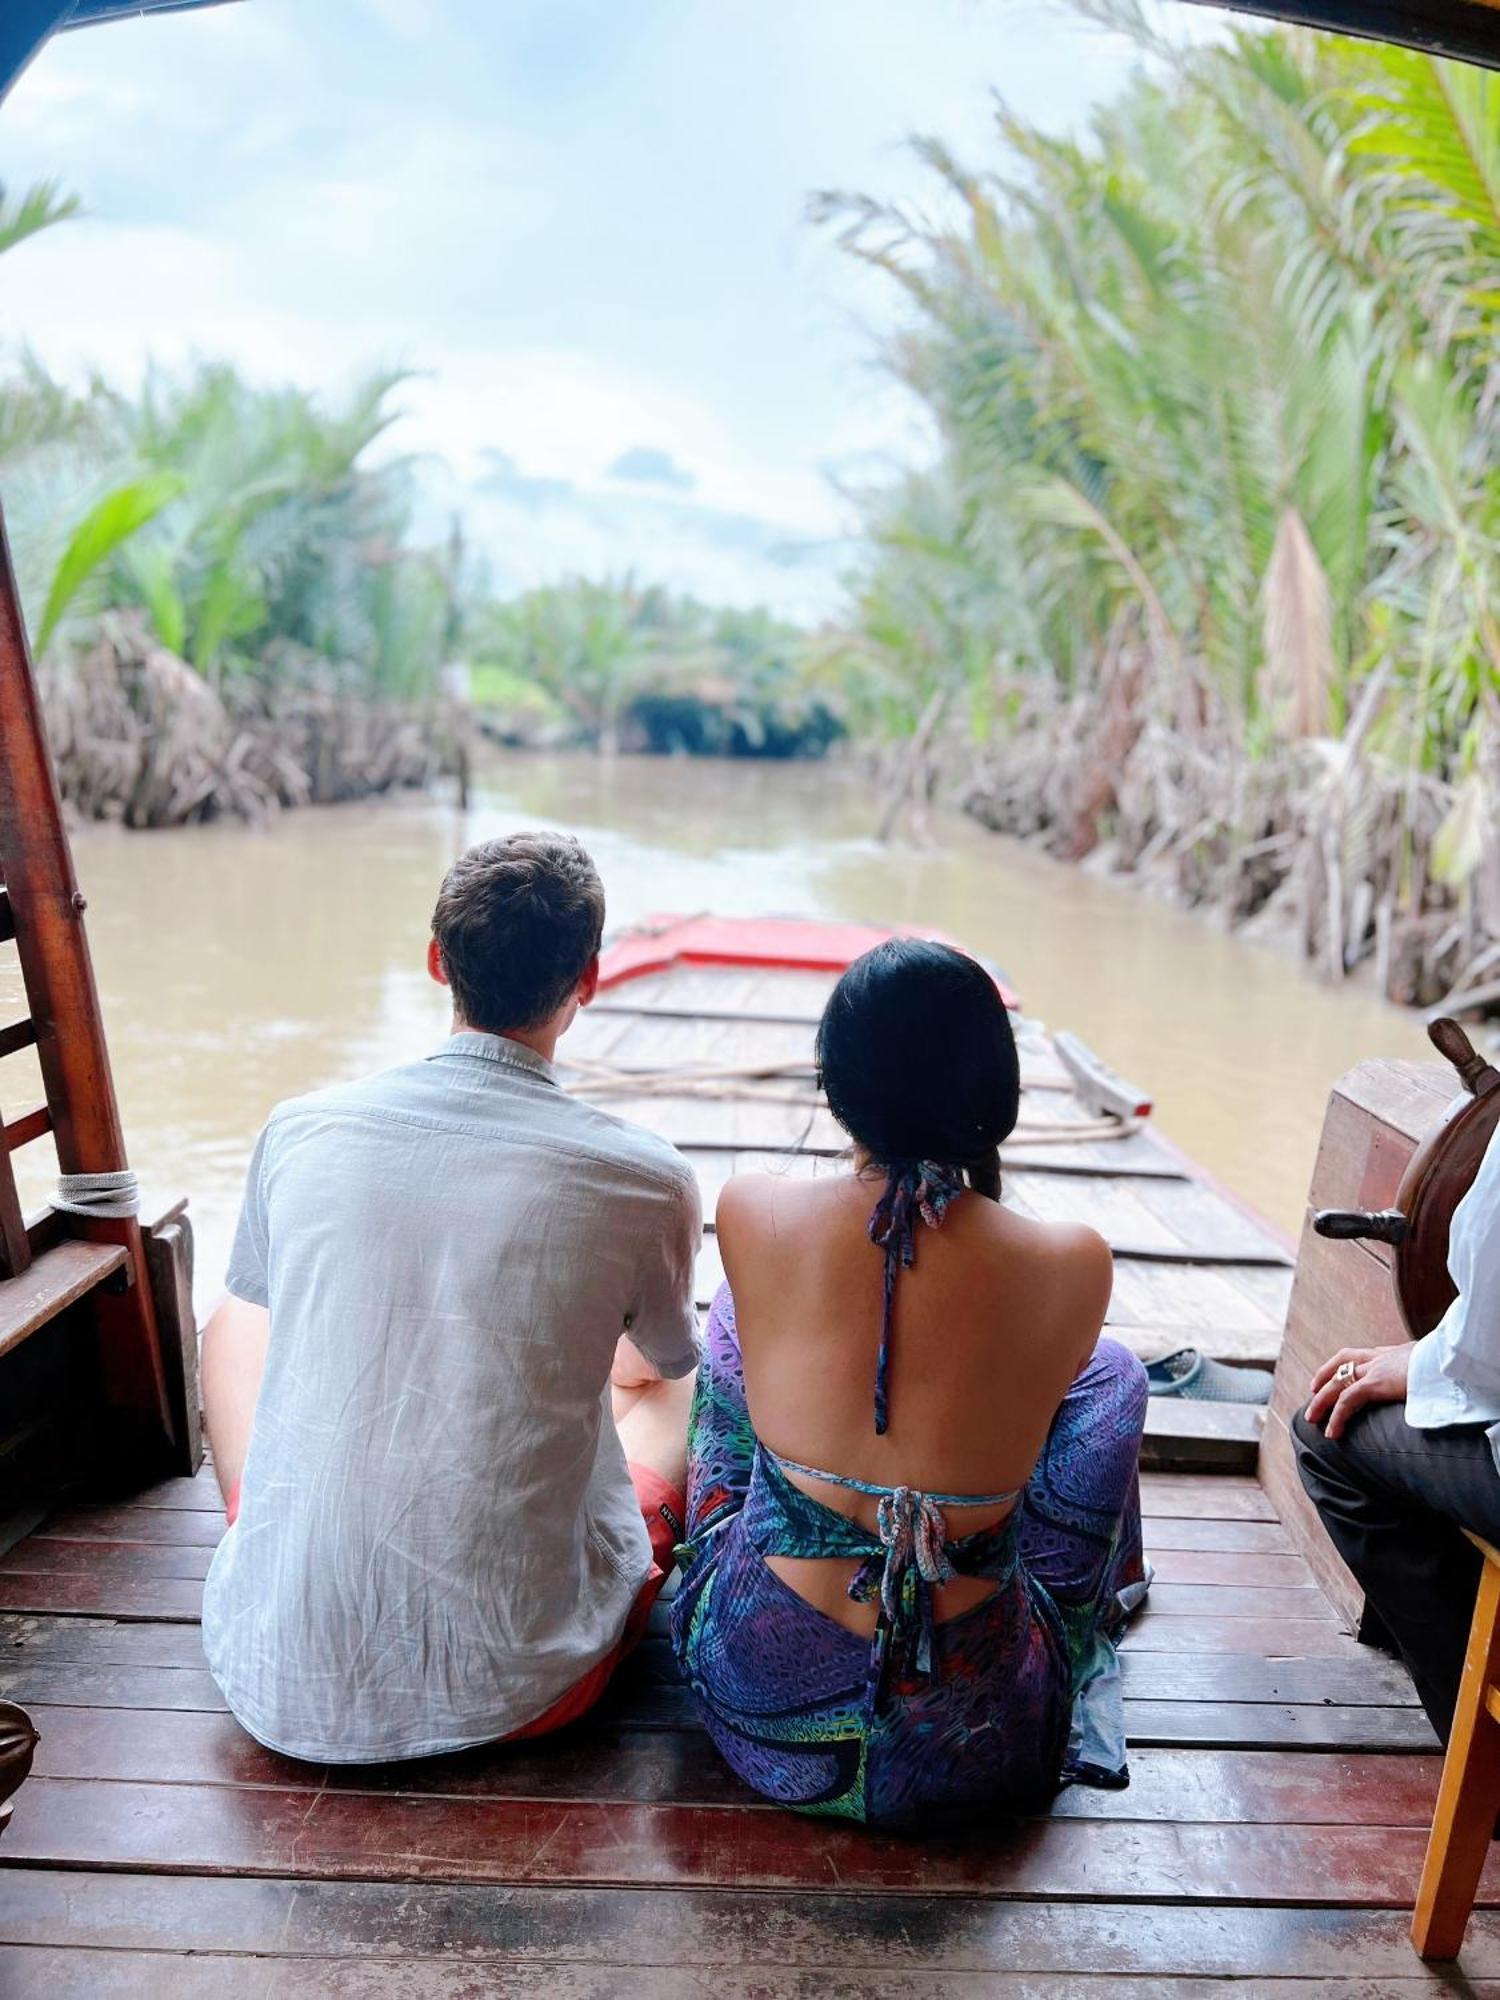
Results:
x,y
45,909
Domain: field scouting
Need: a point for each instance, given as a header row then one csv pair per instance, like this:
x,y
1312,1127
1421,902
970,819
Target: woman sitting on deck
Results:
x,y
920,1633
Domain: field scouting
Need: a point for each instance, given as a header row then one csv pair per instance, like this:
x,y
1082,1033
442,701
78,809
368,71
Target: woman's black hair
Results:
x,y
918,1061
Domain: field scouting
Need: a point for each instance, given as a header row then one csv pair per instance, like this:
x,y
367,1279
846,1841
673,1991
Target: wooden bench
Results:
x,y
1469,1795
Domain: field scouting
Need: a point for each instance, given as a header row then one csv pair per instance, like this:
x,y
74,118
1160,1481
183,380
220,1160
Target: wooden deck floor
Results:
x,y
1282,1784
1283,1777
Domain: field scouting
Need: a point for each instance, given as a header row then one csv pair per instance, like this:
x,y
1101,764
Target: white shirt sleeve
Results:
x,y
1454,1376
663,1322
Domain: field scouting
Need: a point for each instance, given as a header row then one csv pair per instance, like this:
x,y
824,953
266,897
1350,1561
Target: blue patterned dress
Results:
x,y
933,1723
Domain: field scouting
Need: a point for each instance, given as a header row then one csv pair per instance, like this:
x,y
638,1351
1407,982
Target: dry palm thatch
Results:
x,y
138,736
1298,674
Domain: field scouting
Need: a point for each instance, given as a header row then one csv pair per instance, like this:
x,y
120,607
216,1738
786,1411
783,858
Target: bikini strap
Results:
x,y
915,1191
911,1558
886,1492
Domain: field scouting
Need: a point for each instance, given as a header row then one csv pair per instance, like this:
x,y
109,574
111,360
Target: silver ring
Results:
x,y
1347,1371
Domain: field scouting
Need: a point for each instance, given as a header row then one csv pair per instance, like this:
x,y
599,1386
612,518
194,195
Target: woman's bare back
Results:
x,y
991,1325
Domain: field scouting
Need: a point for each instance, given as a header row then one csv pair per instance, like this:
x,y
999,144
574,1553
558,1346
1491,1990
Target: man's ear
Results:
x,y
588,986
435,966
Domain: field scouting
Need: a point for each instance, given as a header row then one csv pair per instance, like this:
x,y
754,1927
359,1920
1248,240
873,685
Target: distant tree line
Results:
x,y
637,667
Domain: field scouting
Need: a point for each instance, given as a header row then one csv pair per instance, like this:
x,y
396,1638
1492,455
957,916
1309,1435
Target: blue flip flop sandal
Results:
x,y
1200,1379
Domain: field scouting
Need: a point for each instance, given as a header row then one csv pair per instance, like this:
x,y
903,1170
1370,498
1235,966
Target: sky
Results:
x,y
583,222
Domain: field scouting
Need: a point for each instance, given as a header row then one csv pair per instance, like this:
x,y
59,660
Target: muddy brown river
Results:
x,y
241,965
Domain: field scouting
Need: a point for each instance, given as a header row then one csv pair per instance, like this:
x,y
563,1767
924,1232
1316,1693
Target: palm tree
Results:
x,y
1215,383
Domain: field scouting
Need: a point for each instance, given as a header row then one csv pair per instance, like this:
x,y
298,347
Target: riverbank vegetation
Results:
x,y
640,669
225,608
230,614
1205,579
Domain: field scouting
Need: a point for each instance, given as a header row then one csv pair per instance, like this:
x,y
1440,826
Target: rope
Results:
x,y
598,1079
113,1196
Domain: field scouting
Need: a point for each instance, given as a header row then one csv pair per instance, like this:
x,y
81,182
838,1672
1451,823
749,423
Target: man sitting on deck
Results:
x,y
447,1280
1409,1458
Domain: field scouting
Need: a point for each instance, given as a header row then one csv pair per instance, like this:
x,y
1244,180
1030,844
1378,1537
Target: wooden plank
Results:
x,y
1123,1159
1201,1437
1371,1680
1279,1639
200,1494
710,1933
1191,1671
50,1284
53,1973
129,1521
124,1562
1171,1532
1228,1567
647,1709
29,1642
83,1685
177,1599
1172,1496
1268,1602
72,1973
1148,1294
1234,1778
205,1829
1281,1727
1196,1211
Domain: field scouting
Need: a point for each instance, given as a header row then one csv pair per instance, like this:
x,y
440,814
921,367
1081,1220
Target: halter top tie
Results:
x,y
905,1559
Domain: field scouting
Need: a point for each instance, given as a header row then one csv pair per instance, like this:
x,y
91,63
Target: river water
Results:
x,y
241,965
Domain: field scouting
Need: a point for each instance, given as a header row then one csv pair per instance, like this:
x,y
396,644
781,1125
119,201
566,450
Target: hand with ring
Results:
x,y
1354,1377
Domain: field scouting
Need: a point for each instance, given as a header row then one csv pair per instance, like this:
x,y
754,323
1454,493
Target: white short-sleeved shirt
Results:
x,y
437,1533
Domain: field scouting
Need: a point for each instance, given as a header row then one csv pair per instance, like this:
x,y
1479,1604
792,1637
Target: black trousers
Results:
x,y
1395,1502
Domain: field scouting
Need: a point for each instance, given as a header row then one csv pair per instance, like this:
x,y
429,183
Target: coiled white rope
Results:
x,y
113,1196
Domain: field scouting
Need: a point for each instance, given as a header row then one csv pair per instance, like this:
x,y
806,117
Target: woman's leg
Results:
x,y
1081,1525
1081,1540
721,1442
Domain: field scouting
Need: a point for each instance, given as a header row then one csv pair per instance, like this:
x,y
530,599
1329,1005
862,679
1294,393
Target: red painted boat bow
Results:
x,y
780,944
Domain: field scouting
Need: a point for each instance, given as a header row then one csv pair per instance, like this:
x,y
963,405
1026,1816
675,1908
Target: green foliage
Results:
x,y
36,209
246,524
616,660
107,525
1216,384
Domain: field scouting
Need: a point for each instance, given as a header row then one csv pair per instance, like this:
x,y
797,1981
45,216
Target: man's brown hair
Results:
x,y
516,923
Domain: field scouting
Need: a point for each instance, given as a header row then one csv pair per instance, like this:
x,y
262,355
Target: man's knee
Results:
x,y
1317,1455
1308,1440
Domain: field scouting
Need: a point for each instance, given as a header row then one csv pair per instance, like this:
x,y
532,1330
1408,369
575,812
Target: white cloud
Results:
x,y
582,222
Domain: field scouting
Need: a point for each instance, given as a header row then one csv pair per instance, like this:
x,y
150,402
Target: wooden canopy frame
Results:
x,y
1467,29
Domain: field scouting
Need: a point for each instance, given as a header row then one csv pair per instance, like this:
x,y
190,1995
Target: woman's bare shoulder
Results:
x,y
754,1206
1070,1264
748,1204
